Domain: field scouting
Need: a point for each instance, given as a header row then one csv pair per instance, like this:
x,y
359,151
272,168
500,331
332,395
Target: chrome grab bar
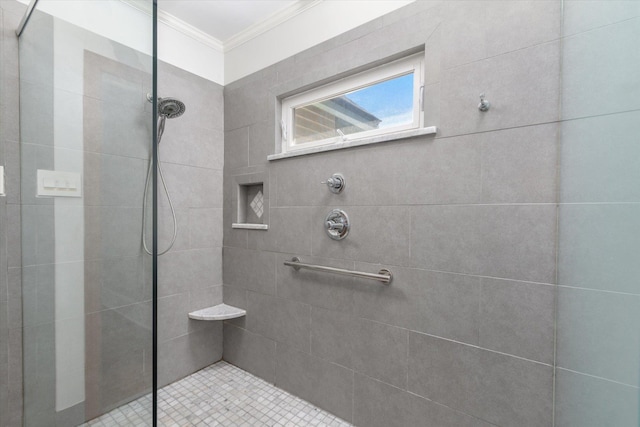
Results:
x,y
383,275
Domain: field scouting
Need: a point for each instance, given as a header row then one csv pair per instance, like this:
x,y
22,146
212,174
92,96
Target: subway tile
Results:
x,y
251,352
248,269
597,334
515,241
316,288
518,318
494,387
281,320
596,246
519,165
378,234
441,304
522,86
597,157
601,64
377,404
322,383
586,401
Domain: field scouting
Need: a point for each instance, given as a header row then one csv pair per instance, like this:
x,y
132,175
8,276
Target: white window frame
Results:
x,y
411,64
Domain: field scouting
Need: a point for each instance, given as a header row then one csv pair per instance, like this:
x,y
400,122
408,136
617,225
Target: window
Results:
x,y
385,100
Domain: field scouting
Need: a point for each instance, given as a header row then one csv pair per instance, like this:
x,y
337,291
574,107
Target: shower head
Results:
x,y
170,107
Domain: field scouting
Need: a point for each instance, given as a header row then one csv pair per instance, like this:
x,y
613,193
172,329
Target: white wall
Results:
x,y
325,20
120,22
132,27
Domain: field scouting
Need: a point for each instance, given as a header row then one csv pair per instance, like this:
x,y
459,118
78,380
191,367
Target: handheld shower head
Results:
x,y
170,107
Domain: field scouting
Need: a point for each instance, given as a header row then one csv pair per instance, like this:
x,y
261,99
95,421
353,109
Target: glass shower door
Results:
x,y
86,136
598,308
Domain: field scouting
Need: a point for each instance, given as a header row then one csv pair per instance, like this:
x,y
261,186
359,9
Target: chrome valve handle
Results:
x,y
336,183
337,224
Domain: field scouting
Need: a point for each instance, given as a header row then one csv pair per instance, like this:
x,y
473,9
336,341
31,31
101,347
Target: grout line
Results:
x,y
598,378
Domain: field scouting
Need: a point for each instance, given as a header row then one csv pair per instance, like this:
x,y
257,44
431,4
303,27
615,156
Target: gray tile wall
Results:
x,y
190,275
466,220
597,374
11,334
117,275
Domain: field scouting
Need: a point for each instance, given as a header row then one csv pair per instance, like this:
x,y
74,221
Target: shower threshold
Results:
x,y
220,395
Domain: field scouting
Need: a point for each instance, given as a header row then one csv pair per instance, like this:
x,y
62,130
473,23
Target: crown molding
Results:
x,y
242,37
177,24
269,23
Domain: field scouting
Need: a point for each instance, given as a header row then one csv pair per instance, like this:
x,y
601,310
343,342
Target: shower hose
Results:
x,y
161,123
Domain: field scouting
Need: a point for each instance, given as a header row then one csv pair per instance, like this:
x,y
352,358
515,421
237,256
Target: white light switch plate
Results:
x,y
2,181
59,184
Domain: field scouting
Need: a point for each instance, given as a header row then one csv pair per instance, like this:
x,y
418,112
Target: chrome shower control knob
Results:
x,y
336,183
337,224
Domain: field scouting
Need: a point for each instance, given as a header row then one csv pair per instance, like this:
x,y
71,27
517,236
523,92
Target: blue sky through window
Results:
x,y
391,101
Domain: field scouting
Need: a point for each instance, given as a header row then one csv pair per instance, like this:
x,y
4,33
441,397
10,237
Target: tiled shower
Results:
x,y
512,234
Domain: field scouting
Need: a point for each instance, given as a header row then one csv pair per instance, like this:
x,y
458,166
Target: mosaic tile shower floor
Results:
x,y
220,395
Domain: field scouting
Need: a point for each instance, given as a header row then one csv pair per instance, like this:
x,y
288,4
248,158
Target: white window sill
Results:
x,y
431,130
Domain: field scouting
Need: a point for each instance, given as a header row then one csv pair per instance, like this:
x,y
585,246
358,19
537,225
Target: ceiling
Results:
x,y
224,19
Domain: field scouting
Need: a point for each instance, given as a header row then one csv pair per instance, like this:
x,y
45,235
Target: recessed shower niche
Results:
x,y
251,202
